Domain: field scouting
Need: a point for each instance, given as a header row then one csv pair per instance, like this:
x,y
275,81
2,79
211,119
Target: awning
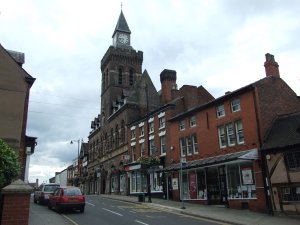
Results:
x,y
251,154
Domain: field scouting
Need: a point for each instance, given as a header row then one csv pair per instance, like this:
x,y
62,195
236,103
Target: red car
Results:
x,y
67,198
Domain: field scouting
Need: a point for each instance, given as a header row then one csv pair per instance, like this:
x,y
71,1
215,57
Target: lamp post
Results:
x,y
78,143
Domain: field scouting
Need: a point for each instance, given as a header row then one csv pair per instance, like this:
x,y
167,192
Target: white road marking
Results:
x,y
141,222
112,212
90,203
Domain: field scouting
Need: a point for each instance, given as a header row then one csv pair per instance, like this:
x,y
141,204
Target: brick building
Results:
x,y
15,84
221,142
123,99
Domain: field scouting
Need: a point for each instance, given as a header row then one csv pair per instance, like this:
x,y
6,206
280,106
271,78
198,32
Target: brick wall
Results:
x,y
16,209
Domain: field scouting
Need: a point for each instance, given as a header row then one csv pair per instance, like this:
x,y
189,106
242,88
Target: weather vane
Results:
x,y
121,5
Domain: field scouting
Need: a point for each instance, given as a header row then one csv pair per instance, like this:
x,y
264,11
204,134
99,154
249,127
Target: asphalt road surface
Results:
x,y
103,211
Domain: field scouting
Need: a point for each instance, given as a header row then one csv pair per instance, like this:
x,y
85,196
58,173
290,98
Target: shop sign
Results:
x,y
247,176
175,183
134,167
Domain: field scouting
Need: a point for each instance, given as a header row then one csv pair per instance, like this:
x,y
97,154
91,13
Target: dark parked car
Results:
x,y
67,198
41,195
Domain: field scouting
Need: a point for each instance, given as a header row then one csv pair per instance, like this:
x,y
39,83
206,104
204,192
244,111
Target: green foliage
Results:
x,y
149,160
9,164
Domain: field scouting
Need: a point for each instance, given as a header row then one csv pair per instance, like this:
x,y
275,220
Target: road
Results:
x,y
111,212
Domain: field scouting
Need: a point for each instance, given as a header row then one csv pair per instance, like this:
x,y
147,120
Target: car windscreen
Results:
x,y
72,192
51,188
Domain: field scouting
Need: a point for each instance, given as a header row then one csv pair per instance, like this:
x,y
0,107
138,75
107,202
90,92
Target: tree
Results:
x,y
9,164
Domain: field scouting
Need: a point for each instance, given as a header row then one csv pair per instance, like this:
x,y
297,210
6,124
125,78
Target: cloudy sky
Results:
x,y
218,44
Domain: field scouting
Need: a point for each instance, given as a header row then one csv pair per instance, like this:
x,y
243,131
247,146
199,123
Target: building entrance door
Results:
x,y
213,186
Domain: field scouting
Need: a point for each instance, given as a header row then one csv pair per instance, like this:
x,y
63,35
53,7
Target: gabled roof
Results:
x,y
13,55
122,25
285,132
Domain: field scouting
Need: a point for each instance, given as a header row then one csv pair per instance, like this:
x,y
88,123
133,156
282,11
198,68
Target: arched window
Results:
x,y
117,136
103,81
106,78
131,77
120,76
123,132
112,138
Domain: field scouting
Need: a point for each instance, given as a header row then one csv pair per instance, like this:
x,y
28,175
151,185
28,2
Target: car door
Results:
x,y
55,197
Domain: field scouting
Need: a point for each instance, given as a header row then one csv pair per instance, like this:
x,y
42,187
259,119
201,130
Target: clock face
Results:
x,y
123,38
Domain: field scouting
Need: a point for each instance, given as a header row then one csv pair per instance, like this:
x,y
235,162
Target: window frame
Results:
x,y
193,122
235,105
220,110
181,125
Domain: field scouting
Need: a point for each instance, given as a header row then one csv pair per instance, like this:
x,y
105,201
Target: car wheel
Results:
x,y
58,209
82,209
49,205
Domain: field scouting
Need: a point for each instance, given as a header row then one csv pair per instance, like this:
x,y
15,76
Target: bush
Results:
x,y
9,164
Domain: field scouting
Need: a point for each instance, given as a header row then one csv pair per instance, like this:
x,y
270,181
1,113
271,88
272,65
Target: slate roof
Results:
x,y
122,25
285,132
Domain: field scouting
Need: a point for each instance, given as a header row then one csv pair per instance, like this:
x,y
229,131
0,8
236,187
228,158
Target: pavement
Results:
x,y
218,213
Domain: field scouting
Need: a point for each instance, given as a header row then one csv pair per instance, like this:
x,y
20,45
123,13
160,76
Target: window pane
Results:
x,y
239,132
182,147
235,105
230,134
222,140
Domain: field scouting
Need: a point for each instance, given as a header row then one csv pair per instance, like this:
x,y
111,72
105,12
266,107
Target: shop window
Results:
x,y
235,105
113,186
291,194
122,182
193,121
241,182
133,181
292,160
220,111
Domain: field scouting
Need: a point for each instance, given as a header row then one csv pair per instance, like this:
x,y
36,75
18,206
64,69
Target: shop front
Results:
x,y
231,180
138,180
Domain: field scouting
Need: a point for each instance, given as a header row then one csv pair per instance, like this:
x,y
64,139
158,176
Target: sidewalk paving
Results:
x,y
219,213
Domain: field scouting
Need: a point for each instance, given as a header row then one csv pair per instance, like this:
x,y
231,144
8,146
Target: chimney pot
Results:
x,y
271,66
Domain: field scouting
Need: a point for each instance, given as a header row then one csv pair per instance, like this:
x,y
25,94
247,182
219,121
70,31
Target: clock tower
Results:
x,y
121,35
121,68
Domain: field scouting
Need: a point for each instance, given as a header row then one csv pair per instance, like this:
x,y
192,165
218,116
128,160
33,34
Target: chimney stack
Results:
x,y
271,66
168,84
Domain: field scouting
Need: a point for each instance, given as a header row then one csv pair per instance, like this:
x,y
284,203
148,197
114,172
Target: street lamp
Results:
x,y
78,143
